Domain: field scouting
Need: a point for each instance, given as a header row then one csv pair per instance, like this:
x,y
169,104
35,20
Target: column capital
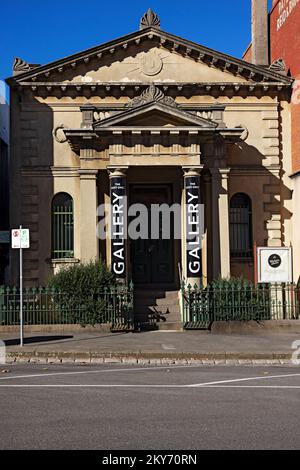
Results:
x,y
220,172
88,174
192,170
119,171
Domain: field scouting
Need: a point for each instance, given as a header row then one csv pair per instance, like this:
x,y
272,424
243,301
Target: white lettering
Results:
x,y
119,268
286,7
194,267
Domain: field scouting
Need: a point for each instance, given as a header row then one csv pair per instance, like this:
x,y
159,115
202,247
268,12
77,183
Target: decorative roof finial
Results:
x,y
150,19
279,66
20,66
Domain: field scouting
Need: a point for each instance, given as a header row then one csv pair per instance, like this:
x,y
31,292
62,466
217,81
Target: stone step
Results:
x,y
172,294
164,310
152,293
177,326
155,293
167,301
170,307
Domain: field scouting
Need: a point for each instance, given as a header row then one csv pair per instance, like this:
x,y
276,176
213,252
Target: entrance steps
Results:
x,y
157,307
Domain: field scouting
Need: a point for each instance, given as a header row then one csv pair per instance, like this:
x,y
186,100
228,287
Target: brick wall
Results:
x,y
285,33
285,44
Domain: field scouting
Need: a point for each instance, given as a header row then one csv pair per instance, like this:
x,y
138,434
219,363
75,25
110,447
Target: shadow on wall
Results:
x,y
31,184
266,190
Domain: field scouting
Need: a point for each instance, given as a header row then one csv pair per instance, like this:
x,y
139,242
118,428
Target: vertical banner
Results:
x,y
118,225
193,226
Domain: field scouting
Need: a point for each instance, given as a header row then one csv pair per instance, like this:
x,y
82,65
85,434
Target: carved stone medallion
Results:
x,y
151,64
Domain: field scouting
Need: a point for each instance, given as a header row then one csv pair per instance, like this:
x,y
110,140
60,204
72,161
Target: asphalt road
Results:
x,y
123,407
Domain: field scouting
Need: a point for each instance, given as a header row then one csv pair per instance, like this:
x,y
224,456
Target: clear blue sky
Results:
x,y
40,31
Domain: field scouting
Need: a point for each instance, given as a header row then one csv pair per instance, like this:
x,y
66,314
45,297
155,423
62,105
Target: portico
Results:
x,y
155,145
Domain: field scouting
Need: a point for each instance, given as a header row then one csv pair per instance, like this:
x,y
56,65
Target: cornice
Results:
x,y
159,38
130,89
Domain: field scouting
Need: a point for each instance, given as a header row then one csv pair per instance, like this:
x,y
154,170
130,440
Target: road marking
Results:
x,y
251,386
215,384
187,366
168,347
219,382
92,386
166,386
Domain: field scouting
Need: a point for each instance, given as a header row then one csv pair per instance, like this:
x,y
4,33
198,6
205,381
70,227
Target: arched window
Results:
x,y
62,226
241,226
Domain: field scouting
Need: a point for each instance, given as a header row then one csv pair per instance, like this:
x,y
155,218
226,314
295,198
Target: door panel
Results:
x,y
152,260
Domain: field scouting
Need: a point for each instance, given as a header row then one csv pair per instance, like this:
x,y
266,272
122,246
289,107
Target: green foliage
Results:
x,y
238,299
84,291
227,299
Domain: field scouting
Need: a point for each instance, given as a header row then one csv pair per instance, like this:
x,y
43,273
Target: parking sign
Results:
x,y
20,238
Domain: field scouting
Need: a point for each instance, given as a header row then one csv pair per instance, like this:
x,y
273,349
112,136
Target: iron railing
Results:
x,y
239,302
47,306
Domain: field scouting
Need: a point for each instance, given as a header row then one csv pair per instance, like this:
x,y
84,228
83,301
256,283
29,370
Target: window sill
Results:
x,y
56,261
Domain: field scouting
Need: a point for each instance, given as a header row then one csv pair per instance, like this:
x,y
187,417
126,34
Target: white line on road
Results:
x,y
245,379
250,386
166,386
50,374
168,347
214,384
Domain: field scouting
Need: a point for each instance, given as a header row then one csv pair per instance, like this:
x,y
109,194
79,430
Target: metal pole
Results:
x,y
255,264
21,291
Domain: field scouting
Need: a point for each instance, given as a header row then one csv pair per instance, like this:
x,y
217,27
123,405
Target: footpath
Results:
x,y
152,347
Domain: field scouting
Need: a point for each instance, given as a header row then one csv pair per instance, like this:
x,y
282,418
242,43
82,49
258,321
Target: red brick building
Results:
x,y
285,44
276,44
283,24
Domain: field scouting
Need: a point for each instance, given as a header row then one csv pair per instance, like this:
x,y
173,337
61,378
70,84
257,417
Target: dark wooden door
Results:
x,y
152,260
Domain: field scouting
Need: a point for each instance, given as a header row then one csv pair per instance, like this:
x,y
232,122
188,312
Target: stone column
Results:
x,y
118,222
193,225
89,243
220,223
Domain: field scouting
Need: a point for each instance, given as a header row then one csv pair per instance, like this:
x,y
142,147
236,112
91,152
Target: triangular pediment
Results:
x,y
154,114
145,56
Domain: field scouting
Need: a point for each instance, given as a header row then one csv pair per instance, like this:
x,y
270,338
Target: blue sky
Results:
x,y
40,31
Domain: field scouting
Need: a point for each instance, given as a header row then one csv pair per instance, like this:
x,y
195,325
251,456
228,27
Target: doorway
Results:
x,y
152,260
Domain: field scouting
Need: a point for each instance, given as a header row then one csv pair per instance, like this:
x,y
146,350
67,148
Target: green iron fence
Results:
x,y
240,302
47,306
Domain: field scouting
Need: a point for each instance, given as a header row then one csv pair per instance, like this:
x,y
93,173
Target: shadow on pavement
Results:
x,y
35,339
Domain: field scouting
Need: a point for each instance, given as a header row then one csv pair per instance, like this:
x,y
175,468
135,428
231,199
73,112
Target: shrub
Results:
x,y
81,291
238,299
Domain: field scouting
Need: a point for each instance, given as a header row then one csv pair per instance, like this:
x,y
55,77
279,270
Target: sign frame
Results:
x,y
20,238
264,267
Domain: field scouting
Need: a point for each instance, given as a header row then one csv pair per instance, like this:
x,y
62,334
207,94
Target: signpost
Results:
x,y
20,240
274,265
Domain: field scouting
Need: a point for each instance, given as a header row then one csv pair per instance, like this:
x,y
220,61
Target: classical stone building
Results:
x,y
155,117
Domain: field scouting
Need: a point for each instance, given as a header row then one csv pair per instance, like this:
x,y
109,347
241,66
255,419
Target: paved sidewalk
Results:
x,y
150,347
